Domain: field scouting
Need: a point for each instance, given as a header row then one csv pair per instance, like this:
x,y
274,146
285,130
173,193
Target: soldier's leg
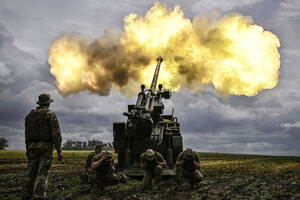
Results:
x,y
97,187
157,174
147,180
197,177
188,175
179,178
33,164
95,183
111,179
43,173
89,175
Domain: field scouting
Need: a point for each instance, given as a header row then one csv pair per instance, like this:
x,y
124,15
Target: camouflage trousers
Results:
x,y
39,163
194,177
88,176
100,182
150,174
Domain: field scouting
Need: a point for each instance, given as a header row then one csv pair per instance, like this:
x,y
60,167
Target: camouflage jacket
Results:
x,y
50,121
89,160
103,169
150,165
188,165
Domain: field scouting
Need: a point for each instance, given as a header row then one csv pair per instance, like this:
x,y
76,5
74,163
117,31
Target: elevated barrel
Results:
x,y
155,77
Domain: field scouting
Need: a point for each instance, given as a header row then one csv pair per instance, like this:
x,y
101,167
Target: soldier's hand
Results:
x,y
60,157
103,157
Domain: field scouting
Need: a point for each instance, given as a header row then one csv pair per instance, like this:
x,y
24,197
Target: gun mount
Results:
x,y
146,127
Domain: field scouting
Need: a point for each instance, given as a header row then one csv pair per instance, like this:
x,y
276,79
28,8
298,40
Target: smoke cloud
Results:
x,y
231,53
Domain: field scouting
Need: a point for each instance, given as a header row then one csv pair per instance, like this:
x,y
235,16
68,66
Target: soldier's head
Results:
x,y
44,100
149,154
188,154
98,148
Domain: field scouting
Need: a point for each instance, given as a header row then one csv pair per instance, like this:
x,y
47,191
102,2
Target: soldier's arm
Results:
x,y
88,162
96,163
161,160
180,160
197,162
26,140
143,163
112,167
55,133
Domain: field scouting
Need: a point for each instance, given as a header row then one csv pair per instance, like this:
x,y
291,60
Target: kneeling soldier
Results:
x,y
152,162
88,163
103,168
188,166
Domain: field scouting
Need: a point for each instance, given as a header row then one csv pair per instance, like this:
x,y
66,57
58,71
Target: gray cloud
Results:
x,y
265,124
208,6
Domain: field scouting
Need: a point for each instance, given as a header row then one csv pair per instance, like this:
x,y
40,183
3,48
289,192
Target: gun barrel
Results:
x,y
155,77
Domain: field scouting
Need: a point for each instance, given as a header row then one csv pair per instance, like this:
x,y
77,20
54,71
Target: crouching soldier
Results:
x,y
188,166
103,172
153,163
88,163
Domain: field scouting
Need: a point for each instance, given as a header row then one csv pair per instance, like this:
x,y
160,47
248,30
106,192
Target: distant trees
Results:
x,y
3,143
83,145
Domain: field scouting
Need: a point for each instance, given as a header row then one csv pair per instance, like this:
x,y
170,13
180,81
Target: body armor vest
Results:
x,y
189,164
36,127
151,164
103,168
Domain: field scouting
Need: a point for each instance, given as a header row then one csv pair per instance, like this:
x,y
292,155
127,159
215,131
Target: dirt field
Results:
x,y
226,176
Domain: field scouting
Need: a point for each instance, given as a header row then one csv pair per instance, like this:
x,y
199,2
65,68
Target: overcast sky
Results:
x,y
268,123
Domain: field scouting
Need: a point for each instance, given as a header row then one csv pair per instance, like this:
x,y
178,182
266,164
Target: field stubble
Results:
x,y
226,176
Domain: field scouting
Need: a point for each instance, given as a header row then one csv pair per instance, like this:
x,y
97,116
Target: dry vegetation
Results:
x,y
226,176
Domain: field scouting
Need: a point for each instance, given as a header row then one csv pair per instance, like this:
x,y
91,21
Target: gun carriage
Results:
x,y
147,127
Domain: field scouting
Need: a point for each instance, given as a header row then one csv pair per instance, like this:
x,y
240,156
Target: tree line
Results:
x,y
86,145
3,143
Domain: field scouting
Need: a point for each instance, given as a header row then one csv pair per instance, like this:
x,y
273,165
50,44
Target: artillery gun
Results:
x,y
146,128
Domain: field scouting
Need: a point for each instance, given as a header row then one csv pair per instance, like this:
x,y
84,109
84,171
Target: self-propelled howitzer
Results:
x,y
146,127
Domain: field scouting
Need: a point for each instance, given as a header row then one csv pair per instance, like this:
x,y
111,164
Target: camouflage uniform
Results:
x,y
188,169
153,169
88,168
41,133
102,176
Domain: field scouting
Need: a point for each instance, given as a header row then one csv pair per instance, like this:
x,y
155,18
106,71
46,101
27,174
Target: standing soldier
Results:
x,y
153,163
104,168
188,166
41,133
88,163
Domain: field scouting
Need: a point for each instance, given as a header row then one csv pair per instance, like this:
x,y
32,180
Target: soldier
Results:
x,y
188,166
103,165
88,167
153,163
41,133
